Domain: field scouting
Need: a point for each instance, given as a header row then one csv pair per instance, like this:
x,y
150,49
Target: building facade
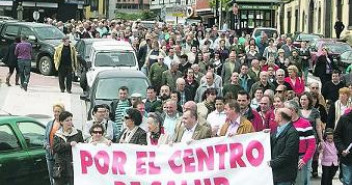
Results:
x,y
314,16
126,6
60,9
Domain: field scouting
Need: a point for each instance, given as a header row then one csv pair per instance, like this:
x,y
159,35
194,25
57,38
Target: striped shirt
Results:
x,y
121,108
306,138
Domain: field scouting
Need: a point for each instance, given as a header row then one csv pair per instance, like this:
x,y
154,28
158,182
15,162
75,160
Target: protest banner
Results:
x,y
217,161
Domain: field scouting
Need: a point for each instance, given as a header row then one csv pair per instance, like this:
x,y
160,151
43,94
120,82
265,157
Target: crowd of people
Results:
x,y
207,82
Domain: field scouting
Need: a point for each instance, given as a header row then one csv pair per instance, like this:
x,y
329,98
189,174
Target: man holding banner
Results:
x,y
284,149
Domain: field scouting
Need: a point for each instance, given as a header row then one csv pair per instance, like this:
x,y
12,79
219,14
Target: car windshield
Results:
x,y
115,59
107,88
49,33
88,48
308,37
337,47
268,32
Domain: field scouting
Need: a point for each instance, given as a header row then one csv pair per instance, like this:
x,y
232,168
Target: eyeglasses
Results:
x,y
279,91
127,117
98,132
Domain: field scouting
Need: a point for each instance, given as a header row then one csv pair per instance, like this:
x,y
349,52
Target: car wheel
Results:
x,y
45,65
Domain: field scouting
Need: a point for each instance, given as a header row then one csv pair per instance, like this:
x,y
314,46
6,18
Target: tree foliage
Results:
x,y
226,4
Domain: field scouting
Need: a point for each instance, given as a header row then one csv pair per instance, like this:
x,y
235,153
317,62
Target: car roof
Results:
x,y
90,40
30,24
10,118
115,73
111,44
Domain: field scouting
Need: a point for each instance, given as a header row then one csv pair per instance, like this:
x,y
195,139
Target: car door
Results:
x,y
33,134
15,163
8,35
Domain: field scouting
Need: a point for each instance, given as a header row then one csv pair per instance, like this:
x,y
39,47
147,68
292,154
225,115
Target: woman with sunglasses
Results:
x,y
97,135
133,133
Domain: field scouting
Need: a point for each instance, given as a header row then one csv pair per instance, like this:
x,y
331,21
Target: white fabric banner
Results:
x,y
217,161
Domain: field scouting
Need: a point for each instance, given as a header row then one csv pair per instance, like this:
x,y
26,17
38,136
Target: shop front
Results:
x,y
252,14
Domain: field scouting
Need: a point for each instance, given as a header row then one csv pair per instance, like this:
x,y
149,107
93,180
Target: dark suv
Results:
x,y
43,37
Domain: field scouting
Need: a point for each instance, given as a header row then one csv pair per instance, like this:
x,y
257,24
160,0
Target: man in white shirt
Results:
x,y
170,116
170,57
190,129
218,117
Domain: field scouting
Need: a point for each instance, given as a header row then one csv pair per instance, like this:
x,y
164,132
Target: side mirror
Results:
x,y
32,38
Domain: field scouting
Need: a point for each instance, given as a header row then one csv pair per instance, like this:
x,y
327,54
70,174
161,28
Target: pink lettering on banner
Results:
x,y
221,181
221,149
236,155
174,167
189,161
171,183
156,183
140,163
102,169
255,145
118,162
206,157
152,168
86,160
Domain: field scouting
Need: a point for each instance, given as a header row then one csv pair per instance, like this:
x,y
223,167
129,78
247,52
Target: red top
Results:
x,y
298,87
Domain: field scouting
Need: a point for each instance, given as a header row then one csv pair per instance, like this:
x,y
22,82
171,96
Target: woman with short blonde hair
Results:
x,y
296,82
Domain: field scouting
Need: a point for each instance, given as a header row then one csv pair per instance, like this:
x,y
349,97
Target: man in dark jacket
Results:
x,y
284,149
339,26
343,139
11,61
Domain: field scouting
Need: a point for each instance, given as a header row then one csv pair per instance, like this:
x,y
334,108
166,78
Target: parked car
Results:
x,y
110,54
83,47
22,156
344,60
307,37
43,37
335,48
269,31
107,83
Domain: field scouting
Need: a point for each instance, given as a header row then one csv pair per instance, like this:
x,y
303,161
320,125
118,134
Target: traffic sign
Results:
x,y
36,15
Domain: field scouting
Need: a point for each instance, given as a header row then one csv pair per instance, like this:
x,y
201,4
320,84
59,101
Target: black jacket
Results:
x,y
142,54
139,137
343,137
284,155
10,58
320,67
63,153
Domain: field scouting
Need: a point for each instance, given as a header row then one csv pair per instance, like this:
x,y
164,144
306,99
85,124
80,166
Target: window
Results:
x,y
12,30
350,17
33,133
319,19
8,140
26,31
289,17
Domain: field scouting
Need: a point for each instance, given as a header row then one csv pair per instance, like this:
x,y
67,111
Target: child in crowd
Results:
x,y
329,158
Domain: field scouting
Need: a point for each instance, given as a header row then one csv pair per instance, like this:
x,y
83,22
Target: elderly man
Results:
x,y
263,83
288,47
306,142
284,149
280,79
203,87
254,70
196,72
231,65
170,116
236,123
191,129
230,90
185,94
169,77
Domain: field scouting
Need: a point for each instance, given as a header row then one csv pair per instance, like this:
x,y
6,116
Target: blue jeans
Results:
x,y
50,164
303,175
24,66
346,174
305,74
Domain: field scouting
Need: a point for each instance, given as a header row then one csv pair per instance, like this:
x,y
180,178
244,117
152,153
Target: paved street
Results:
x,y
43,92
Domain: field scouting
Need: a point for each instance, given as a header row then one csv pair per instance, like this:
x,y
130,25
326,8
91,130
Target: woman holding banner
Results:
x,y
156,135
65,138
133,133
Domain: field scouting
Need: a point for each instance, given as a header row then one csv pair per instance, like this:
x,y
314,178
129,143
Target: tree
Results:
x,y
144,15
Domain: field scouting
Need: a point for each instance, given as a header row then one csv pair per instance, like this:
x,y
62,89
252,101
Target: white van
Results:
x,y
110,54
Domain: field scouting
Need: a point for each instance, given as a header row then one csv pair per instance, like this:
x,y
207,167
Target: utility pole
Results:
x,y
217,12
